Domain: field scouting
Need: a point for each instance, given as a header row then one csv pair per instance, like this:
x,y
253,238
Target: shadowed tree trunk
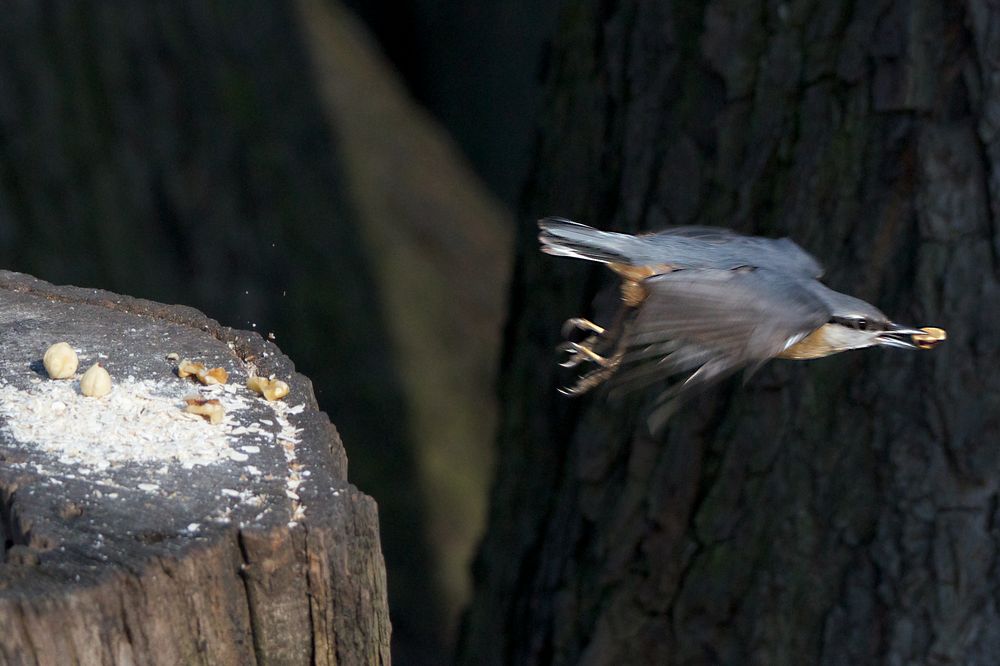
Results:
x,y
259,161
840,511
474,65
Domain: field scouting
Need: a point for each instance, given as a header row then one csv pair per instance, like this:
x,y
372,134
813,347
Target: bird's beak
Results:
x,y
897,329
899,336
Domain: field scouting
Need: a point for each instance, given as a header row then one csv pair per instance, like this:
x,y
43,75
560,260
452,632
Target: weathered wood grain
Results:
x,y
98,570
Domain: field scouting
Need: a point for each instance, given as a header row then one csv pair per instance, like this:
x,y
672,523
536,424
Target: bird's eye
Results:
x,y
862,324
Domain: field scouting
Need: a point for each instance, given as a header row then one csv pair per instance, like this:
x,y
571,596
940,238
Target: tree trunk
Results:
x,y
260,161
840,511
133,533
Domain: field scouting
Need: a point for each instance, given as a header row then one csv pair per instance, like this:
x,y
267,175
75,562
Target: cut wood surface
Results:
x,y
136,533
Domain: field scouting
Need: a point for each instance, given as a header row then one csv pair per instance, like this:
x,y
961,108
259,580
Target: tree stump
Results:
x,y
136,533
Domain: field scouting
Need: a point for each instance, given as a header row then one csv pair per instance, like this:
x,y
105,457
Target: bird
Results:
x,y
701,303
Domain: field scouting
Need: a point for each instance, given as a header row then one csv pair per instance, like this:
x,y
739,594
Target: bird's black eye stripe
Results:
x,y
857,323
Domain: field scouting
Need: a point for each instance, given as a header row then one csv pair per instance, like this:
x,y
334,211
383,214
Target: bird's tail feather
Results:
x,y
565,238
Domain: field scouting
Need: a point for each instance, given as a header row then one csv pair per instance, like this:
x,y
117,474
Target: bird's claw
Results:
x,y
580,352
583,353
589,380
579,323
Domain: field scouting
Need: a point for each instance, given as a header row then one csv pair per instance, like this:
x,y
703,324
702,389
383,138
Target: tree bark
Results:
x,y
838,511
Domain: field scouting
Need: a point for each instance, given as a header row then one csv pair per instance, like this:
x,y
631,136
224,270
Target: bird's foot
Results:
x,y
589,380
578,323
581,352
599,349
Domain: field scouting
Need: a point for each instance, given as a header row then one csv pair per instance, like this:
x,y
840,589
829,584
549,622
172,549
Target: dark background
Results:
x,y
477,66
344,181
837,511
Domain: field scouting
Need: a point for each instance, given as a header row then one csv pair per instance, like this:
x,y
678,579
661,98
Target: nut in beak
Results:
x,y
930,338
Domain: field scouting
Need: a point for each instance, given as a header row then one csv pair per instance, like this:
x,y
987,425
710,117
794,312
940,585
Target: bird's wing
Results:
x,y
711,234
677,247
796,260
715,247
728,249
709,323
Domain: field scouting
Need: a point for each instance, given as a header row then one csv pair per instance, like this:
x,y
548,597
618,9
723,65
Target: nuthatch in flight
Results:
x,y
706,302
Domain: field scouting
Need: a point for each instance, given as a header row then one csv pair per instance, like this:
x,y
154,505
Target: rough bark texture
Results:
x,y
842,511
97,569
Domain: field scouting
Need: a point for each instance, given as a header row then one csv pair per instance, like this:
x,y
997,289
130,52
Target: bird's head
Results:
x,y
855,324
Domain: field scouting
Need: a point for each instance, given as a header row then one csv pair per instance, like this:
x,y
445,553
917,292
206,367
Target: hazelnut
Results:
x,y
96,382
271,389
931,338
187,368
60,361
207,377
214,376
210,408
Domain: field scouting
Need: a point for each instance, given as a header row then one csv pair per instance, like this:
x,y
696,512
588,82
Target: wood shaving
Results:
x,y
141,425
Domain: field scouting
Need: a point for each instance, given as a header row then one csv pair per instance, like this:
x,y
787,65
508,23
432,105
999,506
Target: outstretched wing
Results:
x,y
708,323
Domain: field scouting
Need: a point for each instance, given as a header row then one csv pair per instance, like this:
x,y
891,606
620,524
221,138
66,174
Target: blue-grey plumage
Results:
x,y
703,303
680,247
